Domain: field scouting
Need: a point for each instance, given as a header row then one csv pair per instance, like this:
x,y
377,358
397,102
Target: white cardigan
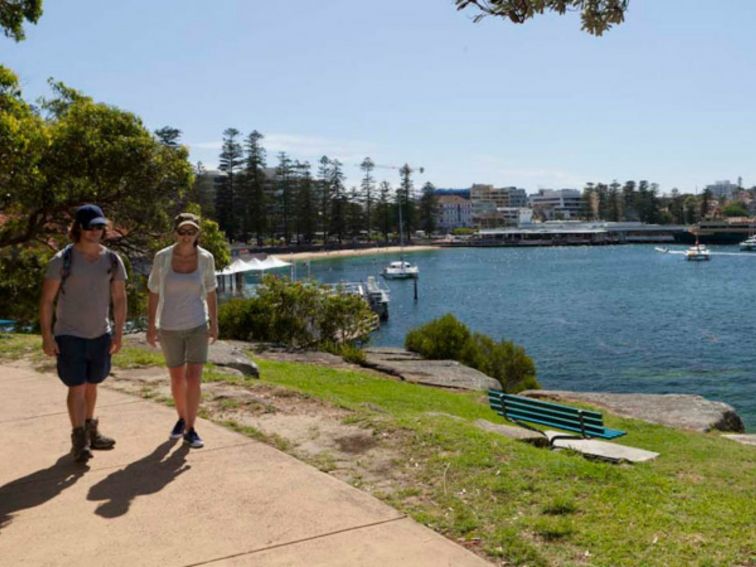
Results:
x,y
161,265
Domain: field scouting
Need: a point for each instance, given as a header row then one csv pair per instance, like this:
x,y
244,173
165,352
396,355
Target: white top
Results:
x,y
184,305
161,266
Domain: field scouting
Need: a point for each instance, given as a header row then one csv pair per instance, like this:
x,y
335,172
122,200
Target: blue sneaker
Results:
x,y
178,429
192,439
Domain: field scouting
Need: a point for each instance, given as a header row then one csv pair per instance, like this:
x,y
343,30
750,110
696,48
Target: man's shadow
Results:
x,y
38,487
148,475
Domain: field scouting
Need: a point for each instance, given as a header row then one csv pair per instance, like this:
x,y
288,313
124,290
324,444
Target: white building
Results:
x,y
559,204
453,212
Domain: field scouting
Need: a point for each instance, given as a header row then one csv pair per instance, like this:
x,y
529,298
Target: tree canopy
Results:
x,y
597,16
69,150
14,12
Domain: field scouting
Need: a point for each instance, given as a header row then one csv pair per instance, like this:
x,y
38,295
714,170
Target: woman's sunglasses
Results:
x,y
95,227
186,232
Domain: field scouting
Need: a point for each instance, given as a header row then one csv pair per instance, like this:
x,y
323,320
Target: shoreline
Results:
x,y
352,252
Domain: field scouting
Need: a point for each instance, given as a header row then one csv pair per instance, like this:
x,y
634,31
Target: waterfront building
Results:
x,y
559,204
565,233
453,211
490,205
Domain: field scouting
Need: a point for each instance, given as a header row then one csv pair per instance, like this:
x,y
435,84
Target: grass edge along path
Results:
x,y
523,505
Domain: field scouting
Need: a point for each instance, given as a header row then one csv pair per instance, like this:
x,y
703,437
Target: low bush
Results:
x,y
448,338
296,314
442,338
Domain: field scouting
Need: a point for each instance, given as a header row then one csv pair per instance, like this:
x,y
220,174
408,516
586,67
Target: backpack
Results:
x,y
65,269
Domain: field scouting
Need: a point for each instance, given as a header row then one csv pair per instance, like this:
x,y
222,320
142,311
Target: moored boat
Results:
x,y
749,244
400,270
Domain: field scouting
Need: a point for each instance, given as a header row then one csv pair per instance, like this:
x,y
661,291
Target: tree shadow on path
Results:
x,y
148,475
38,487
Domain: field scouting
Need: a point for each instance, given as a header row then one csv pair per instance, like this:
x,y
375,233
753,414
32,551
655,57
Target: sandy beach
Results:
x,y
303,256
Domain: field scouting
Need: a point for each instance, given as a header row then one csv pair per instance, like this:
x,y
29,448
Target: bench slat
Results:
x,y
510,398
571,425
522,409
589,417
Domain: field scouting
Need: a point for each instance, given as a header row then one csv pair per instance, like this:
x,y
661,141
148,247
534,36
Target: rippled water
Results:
x,y
617,319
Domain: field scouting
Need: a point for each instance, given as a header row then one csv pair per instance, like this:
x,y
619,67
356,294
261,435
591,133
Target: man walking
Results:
x,y
85,277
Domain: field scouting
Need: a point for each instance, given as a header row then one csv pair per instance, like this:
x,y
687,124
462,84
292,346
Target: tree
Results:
x,y
383,209
285,188
615,204
735,209
338,200
368,190
169,136
227,185
597,16
324,196
68,151
255,197
14,12
354,213
705,203
427,209
306,209
405,199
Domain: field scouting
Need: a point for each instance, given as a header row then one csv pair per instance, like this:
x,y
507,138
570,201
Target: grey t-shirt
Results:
x,y
83,309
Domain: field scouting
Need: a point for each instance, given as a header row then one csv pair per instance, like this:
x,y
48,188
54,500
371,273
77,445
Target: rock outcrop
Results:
x,y
412,367
683,411
231,356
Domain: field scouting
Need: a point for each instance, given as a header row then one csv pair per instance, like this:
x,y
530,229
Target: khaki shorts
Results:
x,y
184,347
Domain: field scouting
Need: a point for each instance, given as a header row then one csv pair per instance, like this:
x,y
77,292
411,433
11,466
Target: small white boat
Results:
x,y
749,244
400,270
697,253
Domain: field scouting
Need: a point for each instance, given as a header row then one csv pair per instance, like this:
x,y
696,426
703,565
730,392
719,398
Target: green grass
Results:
x,y
14,346
135,357
694,505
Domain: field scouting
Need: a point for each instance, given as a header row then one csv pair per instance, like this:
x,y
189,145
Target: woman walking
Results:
x,y
183,316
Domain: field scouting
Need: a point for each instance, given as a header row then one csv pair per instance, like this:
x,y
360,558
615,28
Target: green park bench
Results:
x,y
522,410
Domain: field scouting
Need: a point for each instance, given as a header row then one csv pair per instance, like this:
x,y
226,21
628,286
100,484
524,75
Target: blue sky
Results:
x,y
667,96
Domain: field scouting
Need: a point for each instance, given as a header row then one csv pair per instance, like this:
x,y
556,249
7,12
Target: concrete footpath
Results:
x,y
151,501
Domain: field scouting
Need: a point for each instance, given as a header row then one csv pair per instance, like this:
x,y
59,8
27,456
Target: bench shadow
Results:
x,y
38,487
148,475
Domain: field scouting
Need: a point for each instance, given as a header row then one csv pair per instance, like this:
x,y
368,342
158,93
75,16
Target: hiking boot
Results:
x,y
96,439
178,429
80,445
192,439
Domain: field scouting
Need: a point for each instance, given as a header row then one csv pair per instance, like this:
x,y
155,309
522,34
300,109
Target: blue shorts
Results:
x,y
83,360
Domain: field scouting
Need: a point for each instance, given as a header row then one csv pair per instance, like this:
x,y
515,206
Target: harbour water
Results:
x,y
612,318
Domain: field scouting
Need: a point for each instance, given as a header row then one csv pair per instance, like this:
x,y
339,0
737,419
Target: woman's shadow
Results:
x,y
148,475
37,488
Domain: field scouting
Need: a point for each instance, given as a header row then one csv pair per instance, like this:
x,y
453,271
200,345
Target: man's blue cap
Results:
x,y
90,214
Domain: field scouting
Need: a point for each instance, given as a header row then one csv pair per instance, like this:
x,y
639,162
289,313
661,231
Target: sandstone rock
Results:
x,y
513,432
745,438
683,411
231,356
413,368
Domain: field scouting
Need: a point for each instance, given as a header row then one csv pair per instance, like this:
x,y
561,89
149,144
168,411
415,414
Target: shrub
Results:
x,y
297,314
447,338
349,352
442,338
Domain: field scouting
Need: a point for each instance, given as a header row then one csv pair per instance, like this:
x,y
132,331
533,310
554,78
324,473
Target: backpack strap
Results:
x,y
113,270
65,269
